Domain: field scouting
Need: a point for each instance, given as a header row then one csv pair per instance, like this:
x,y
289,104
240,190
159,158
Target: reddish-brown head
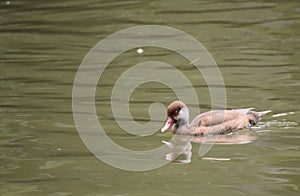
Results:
x,y
174,113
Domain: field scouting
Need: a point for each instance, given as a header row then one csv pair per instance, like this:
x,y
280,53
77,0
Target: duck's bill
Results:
x,y
169,122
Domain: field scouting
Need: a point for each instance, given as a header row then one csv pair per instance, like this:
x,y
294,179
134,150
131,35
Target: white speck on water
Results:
x,y
281,114
216,159
59,149
7,2
262,131
140,50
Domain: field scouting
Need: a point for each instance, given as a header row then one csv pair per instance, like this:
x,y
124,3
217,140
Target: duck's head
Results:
x,y
178,114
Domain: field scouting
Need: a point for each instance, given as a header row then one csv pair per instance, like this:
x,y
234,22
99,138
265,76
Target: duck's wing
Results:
x,y
221,128
218,117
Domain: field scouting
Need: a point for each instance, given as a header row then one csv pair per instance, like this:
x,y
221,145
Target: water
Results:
x,y
255,44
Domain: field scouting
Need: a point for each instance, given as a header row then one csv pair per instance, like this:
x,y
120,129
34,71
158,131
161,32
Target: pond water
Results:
x,y
256,45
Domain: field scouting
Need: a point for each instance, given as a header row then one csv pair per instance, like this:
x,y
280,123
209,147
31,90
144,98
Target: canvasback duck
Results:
x,y
209,123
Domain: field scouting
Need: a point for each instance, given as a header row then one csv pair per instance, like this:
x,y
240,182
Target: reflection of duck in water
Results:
x,y
210,124
180,144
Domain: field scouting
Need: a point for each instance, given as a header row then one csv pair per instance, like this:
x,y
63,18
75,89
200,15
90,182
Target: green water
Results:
x,y
256,45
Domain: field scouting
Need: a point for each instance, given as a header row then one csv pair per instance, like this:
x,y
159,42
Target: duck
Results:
x,y
214,122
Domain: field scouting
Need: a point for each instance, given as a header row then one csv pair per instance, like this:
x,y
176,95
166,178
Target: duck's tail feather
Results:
x,y
264,112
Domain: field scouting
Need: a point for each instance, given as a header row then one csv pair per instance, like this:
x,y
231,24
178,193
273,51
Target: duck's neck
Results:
x,y
183,119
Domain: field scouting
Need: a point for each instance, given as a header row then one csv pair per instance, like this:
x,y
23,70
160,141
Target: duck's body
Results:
x,y
209,123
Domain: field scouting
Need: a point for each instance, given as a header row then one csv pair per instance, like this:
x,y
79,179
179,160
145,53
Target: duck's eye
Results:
x,y
176,113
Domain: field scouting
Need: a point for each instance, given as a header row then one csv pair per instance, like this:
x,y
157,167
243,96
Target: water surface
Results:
x,y
255,43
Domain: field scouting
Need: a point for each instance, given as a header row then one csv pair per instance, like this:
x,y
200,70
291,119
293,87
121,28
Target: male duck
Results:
x,y
209,123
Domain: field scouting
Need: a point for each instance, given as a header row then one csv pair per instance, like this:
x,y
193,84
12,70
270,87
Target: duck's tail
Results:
x,y
264,112
254,117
